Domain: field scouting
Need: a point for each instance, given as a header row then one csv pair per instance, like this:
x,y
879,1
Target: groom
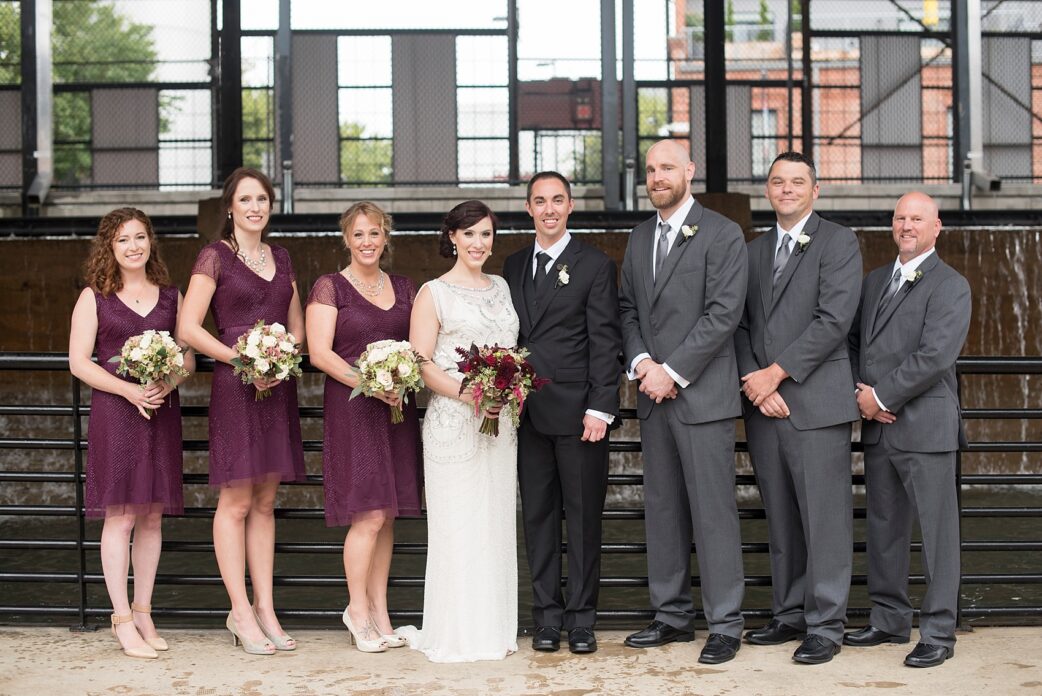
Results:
x,y
565,294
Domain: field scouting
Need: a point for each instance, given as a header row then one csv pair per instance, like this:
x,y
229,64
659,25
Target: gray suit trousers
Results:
x,y
804,481
902,486
689,493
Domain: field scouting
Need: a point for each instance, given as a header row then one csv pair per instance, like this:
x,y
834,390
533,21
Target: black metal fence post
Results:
x,y
81,522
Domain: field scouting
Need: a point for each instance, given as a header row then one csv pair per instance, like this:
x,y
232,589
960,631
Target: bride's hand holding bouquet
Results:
x,y
497,378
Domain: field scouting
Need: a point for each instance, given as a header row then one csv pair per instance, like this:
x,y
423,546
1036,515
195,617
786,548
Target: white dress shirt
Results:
x,y
554,252
675,221
795,232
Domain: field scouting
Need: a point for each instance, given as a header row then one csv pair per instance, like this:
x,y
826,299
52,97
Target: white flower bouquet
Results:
x,y
152,356
389,366
267,351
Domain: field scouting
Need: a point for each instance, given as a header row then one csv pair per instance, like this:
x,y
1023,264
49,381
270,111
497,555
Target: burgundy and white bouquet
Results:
x,y
498,376
152,356
389,366
267,351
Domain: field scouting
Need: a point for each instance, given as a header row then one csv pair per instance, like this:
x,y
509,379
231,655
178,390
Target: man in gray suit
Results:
x,y
912,323
683,285
804,283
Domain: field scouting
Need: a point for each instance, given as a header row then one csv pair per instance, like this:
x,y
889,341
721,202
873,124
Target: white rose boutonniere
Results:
x,y
911,277
562,275
804,241
688,231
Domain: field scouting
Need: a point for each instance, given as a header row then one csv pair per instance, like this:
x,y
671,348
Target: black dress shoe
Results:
x,y
658,633
718,649
581,640
815,650
774,633
926,655
547,639
869,636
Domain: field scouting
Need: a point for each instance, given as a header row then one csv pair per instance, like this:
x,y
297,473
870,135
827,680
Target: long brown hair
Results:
x,y
375,214
101,271
232,183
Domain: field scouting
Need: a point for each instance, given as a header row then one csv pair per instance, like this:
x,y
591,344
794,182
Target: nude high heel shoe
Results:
x,y
283,642
144,651
260,647
157,643
363,644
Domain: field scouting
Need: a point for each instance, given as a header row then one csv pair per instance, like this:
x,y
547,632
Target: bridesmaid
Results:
x,y
254,445
133,455
371,467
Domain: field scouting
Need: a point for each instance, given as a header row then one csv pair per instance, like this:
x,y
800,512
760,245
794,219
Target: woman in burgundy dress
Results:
x,y
134,433
254,445
371,467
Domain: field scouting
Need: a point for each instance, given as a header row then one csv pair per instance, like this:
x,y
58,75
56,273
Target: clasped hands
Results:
x,y
148,397
655,381
869,407
761,388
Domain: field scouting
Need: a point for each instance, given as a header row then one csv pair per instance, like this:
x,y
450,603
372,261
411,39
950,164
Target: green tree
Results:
x,y
364,160
729,21
766,21
91,42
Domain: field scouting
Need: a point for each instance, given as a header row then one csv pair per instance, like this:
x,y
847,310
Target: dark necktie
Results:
x,y
540,268
895,283
662,248
781,257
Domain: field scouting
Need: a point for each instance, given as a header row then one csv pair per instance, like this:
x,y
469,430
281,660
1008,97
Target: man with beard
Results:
x,y
683,286
566,298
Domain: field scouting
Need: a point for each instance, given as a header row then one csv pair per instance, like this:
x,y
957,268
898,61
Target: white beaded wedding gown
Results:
x,y
470,588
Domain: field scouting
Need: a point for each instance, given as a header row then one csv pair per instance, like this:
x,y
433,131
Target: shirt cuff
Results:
x,y
878,402
681,382
631,373
606,417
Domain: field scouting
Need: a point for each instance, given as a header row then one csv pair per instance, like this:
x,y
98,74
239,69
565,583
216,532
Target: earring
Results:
x,y
453,249
229,215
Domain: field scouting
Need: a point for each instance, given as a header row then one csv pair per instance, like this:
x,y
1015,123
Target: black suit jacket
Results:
x,y
572,330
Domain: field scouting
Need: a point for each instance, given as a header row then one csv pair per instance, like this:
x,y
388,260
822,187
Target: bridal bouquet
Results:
x,y
151,357
267,351
389,366
498,376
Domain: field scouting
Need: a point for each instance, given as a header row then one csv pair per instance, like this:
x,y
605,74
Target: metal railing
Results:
x,y
74,410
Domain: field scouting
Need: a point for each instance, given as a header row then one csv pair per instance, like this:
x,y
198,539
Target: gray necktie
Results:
x,y
781,257
895,283
662,248
540,268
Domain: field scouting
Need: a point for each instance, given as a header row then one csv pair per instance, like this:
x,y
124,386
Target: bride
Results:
x,y
470,590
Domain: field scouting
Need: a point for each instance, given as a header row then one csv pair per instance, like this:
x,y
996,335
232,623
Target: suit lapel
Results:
x,y
904,291
644,237
766,270
545,295
873,294
680,245
516,281
809,229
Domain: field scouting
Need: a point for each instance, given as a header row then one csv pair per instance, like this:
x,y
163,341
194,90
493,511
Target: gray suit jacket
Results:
x,y
908,354
686,317
802,324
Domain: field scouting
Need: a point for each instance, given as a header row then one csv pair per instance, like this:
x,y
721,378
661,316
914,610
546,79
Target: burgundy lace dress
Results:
x,y
133,463
250,441
368,463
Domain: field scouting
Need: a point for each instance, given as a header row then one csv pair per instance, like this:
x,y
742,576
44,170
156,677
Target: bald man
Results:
x,y
911,325
683,288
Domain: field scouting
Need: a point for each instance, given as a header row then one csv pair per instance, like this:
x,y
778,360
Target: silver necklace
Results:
x,y
255,266
369,289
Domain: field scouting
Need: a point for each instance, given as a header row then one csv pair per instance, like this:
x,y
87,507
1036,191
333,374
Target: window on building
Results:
x,y
365,114
764,130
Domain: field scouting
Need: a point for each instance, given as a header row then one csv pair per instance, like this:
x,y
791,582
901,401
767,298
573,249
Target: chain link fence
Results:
x,y
10,95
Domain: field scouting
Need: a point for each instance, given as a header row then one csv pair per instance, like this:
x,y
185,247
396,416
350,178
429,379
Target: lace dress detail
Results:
x,y
470,591
368,463
133,464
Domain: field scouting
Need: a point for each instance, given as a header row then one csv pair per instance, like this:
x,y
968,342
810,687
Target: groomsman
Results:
x,y
804,283
912,323
683,285
566,296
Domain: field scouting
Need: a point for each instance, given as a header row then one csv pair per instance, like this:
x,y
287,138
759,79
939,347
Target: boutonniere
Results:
x,y
688,231
803,241
562,275
912,277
